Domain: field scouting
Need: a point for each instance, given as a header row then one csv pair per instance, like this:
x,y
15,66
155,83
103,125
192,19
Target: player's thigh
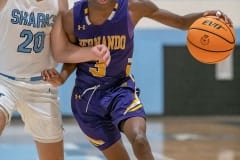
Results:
x,y
41,115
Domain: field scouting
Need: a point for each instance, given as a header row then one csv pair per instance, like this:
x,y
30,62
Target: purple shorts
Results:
x,y
99,111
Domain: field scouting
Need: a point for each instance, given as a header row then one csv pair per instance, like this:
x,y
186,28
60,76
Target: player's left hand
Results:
x,y
52,76
220,15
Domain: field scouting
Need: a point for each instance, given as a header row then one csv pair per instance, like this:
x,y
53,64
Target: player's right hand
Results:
x,y
52,76
219,14
102,53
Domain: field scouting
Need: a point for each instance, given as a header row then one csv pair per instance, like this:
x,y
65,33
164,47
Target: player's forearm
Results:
x,y
67,70
71,53
63,50
190,18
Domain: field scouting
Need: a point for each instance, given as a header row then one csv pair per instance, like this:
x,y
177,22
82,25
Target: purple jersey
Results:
x,y
103,96
113,34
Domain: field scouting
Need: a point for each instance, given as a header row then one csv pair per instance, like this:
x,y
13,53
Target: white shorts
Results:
x,y
38,105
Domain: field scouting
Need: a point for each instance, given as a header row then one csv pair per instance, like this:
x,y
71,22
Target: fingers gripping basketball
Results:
x,y
210,40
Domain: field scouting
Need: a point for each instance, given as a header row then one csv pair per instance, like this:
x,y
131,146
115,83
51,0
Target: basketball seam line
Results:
x,y
231,32
216,35
207,49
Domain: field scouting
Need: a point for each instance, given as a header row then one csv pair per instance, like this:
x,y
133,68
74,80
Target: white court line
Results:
x,y
71,146
158,156
83,158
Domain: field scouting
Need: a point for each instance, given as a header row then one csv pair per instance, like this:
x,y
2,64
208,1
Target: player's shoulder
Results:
x,y
139,4
63,6
69,14
2,4
143,7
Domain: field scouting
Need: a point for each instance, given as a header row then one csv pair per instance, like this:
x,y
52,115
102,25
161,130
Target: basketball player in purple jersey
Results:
x,y
105,100
26,27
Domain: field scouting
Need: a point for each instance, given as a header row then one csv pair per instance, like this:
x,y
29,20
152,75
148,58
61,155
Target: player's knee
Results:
x,y
142,148
140,140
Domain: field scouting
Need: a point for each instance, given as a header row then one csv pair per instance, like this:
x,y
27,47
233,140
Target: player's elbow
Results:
x,y
60,51
57,55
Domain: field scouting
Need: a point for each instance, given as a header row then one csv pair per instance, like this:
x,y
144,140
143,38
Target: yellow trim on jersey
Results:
x,y
95,142
135,108
135,105
86,11
116,6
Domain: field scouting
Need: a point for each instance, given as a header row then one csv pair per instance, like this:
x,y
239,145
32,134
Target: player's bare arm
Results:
x,y
68,26
63,50
101,51
66,52
145,8
2,4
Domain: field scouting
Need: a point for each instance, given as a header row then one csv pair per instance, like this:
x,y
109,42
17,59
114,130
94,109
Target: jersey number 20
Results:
x,y
32,41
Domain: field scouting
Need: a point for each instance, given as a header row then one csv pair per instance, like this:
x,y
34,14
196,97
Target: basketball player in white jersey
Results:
x,y
25,51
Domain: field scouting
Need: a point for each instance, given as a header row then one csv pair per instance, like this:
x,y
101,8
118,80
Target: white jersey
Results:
x,y
25,37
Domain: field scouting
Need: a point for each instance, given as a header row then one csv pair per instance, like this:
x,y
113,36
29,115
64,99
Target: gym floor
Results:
x,y
171,138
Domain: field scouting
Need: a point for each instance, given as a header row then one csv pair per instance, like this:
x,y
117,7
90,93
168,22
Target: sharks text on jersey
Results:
x,y
39,20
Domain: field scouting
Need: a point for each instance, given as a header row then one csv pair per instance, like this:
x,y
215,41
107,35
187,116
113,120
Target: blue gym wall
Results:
x,y
147,68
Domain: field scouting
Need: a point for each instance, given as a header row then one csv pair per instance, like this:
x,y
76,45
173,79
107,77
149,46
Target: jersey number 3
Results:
x,y
32,42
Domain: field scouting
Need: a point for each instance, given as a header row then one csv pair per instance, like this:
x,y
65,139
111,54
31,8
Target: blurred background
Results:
x,y
193,108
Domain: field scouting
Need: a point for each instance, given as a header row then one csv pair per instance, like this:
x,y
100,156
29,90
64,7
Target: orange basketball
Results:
x,y
210,40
